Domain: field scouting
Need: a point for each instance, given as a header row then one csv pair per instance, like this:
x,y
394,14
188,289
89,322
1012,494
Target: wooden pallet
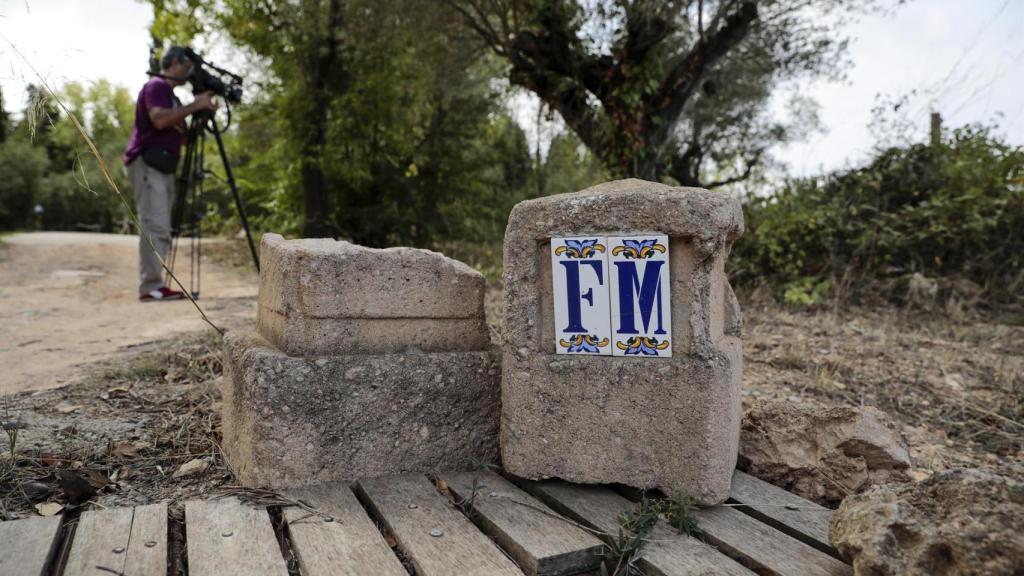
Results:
x,y
532,528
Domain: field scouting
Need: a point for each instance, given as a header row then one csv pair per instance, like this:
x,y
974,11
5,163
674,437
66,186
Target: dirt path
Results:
x,y
70,298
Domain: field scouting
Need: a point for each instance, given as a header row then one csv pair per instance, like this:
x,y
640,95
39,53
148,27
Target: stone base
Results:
x,y
671,424
290,421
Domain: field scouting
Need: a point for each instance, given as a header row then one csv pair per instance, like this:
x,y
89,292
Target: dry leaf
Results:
x,y
118,392
66,407
96,478
128,449
49,508
197,466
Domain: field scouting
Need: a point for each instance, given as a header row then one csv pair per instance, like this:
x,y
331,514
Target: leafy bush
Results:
x,y
22,166
954,212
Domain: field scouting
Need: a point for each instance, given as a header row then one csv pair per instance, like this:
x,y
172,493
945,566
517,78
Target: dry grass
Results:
x,y
126,429
955,386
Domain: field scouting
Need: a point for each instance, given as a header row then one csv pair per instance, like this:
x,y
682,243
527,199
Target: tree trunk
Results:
x,y
320,59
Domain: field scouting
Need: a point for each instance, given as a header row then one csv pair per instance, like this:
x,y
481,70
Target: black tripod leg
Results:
x,y
183,184
234,193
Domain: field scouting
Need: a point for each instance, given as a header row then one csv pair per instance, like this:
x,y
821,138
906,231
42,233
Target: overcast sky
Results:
x,y
964,58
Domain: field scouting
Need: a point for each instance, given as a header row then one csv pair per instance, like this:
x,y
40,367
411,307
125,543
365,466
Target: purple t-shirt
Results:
x,y
157,93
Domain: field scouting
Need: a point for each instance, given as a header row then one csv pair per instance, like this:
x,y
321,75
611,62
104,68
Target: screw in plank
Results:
x,y
413,506
436,532
227,534
118,550
150,543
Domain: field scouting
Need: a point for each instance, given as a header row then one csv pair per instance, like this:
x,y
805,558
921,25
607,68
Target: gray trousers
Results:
x,y
154,192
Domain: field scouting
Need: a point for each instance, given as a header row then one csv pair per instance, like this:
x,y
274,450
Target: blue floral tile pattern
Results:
x,y
580,248
584,344
638,249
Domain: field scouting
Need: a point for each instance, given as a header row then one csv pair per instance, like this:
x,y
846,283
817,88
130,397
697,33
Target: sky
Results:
x,y
961,58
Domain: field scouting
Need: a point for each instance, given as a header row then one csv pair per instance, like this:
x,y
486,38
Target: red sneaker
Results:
x,y
164,293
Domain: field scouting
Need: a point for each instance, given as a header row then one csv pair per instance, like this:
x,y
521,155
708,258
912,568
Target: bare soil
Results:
x,y
69,299
955,387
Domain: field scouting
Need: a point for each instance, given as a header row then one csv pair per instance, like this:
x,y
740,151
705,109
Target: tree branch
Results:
x,y
686,76
738,178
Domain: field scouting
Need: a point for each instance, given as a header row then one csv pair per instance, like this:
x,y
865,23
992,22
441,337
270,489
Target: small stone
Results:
x,y
436,532
286,409
150,543
49,508
328,518
413,506
424,432
118,550
227,534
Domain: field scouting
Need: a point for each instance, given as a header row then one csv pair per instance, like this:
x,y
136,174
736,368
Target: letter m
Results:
x,y
647,292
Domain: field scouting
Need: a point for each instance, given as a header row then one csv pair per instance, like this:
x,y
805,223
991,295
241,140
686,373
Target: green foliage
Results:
x,y
624,547
635,527
678,510
45,162
953,212
22,166
668,90
392,112
806,291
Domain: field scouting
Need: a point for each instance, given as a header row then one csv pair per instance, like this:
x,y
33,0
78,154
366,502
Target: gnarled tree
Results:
x,y
662,88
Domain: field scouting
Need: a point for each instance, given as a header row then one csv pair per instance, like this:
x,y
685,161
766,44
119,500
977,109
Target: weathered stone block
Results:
x,y
668,423
293,420
321,296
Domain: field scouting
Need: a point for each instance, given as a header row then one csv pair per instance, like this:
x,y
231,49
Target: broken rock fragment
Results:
x,y
822,453
966,522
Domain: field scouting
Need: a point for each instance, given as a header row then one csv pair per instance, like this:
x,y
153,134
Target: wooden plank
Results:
x,y
100,543
541,541
347,545
666,552
228,538
785,511
438,540
27,546
764,548
147,547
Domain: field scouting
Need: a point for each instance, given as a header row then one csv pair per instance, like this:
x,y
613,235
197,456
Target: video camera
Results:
x,y
203,81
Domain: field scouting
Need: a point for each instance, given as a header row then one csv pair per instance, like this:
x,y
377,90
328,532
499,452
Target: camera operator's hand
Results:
x,y
205,101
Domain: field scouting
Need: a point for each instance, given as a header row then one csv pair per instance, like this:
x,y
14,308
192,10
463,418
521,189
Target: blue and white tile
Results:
x,y
640,296
579,270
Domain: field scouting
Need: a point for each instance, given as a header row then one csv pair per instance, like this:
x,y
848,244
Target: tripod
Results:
x,y
189,197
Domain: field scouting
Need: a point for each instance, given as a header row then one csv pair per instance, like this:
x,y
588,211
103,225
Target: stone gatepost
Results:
x,y
621,339
365,362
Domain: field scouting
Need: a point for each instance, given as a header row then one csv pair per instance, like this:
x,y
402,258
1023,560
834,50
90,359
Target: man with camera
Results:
x,y
151,159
